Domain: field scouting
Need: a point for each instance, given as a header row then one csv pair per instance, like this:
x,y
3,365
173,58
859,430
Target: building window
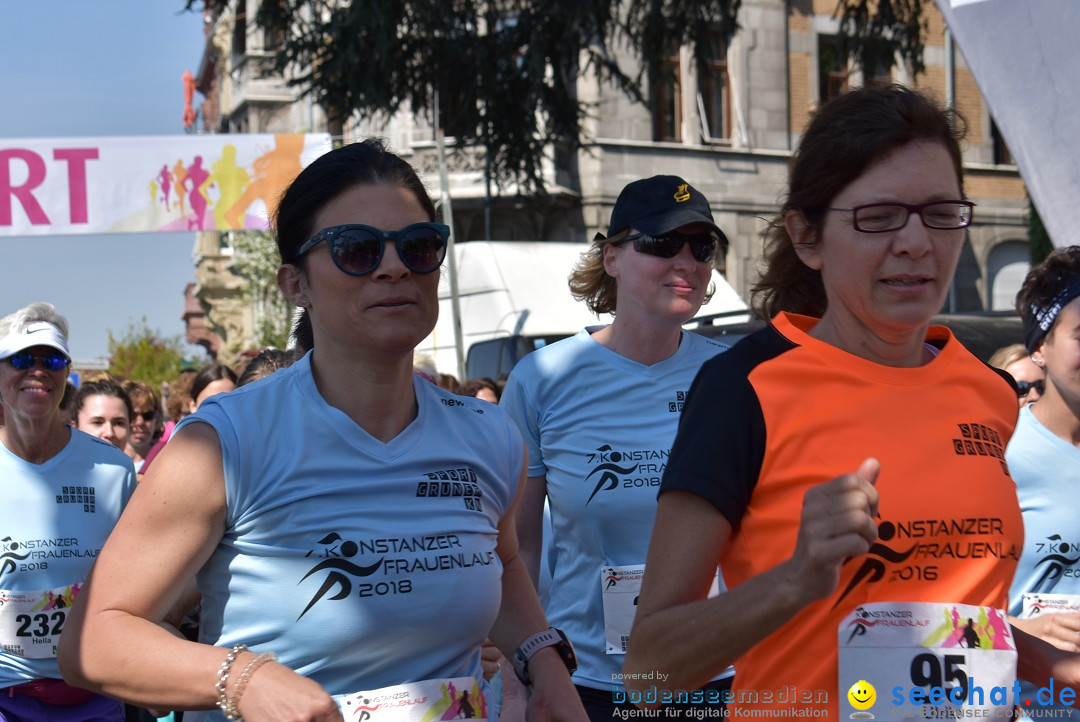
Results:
x,y
667,99
714,89
1002,156
832,69
239,41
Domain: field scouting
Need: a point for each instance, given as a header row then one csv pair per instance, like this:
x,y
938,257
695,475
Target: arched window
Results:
x,y
1006,267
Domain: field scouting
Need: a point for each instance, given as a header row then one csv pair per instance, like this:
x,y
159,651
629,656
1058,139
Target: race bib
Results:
x,y
427,701
1039,604
621,587
31,622
917,660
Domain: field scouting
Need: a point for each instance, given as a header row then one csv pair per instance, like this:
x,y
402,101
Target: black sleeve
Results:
x,y
720,447
1007,376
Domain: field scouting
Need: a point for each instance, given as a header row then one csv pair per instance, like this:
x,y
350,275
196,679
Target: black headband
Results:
x,y
1038,321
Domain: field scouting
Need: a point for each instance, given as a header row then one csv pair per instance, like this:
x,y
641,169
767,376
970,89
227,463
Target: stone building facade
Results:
x,y
728,127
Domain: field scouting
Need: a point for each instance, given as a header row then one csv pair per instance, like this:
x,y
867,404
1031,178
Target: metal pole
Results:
x,y
448,217
950,102
950,71
487,194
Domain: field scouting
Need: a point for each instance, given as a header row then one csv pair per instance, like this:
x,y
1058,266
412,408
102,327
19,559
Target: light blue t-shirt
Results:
x,y
1046,470
54,519
599,426
362,564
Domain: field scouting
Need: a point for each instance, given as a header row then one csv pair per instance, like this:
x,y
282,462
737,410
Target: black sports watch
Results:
x,y
550,637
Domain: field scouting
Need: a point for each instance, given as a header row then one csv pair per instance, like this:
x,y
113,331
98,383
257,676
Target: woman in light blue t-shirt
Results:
x,y
349,525
63,491
1044,459
599,412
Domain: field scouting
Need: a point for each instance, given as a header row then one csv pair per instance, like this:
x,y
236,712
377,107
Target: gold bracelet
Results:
x,y
245,677
223,679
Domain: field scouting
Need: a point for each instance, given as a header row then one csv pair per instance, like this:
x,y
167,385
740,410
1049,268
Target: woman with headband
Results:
x,y
1044,459
63,491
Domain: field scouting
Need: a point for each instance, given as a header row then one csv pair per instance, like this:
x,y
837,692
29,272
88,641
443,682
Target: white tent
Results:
x,y
1024,56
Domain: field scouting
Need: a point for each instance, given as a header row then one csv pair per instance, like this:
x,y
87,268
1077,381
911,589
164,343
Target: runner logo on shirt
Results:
x,y
29,555
335,554
399,558
918,547
1058,559
877,559
624,469
10,555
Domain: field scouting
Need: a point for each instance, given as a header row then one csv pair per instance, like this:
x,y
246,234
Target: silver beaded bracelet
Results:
x,y
230,711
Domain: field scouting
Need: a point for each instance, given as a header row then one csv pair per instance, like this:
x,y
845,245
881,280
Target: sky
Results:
x,y
92,68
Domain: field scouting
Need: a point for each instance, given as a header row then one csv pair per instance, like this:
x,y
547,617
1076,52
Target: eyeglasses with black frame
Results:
x,y
24,361
357,250
703,244
1023,388
885,217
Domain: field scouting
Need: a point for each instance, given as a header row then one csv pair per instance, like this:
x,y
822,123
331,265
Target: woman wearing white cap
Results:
x,y
63,493
599,412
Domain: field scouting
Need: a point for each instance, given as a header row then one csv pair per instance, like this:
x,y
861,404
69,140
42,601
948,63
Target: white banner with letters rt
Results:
x,y
54,186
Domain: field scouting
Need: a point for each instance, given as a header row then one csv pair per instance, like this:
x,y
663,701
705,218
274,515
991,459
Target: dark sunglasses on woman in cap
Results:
x,y
1023,388
702,244
357,249
24,360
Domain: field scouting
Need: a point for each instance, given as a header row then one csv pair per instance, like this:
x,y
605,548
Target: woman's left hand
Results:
x,y
553,697
1060,630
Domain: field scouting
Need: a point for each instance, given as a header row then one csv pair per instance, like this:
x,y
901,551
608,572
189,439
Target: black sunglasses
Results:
x,y
357,249
24,361
702,245
1023,388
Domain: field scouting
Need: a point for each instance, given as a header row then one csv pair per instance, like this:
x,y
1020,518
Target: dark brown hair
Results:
x,y
1043,284
844,138
104,387
357,164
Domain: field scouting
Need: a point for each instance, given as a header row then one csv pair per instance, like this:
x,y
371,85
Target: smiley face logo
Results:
x,y
862,695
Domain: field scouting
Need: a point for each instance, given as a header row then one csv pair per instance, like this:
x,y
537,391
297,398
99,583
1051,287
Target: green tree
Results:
x,y
256,261
142,354
506,70
1039,244
874,33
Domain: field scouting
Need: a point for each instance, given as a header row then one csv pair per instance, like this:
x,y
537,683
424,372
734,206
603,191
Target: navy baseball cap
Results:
x,y
658,205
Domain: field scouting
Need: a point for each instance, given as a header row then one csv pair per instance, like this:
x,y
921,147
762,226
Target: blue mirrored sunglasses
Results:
x,y
24,361
357,249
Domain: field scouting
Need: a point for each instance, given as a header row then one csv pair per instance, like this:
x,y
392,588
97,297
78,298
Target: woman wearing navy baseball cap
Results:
x,y
599,412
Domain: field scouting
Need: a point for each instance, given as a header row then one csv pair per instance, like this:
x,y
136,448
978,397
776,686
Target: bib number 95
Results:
x,y
929,670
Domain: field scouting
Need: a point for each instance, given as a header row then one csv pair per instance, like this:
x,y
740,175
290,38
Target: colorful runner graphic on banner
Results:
x,y
146,184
